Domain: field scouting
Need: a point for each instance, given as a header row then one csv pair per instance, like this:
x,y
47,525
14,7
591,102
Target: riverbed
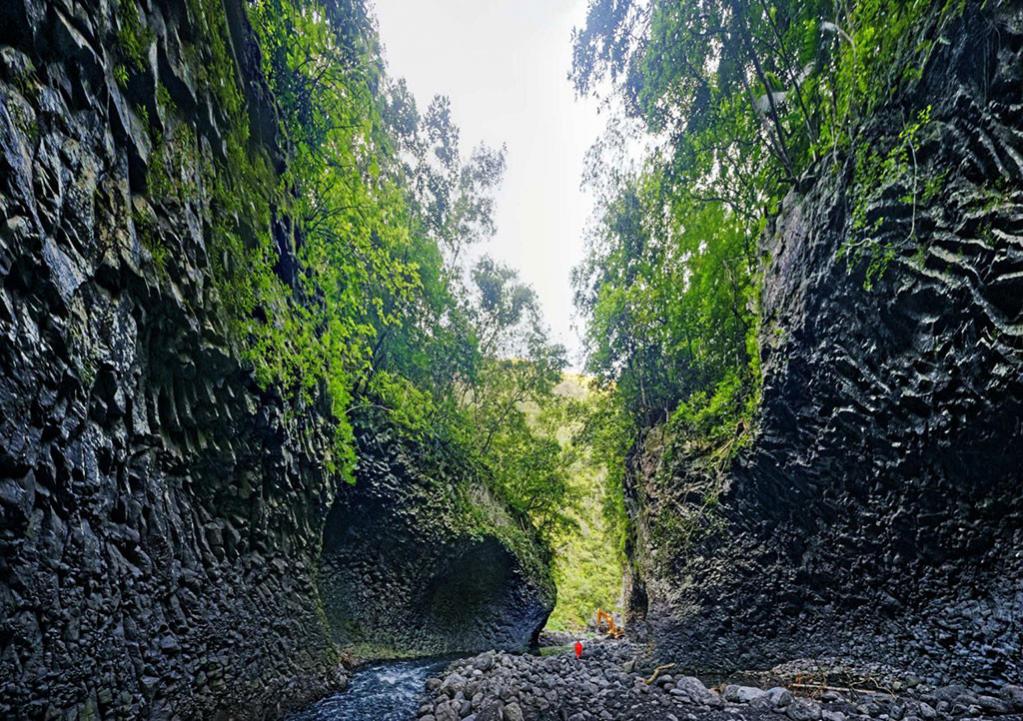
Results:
x,y
383,691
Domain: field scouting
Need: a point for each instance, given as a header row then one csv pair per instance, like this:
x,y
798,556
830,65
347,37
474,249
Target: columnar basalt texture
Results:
x,y
411,563
878,514
161,516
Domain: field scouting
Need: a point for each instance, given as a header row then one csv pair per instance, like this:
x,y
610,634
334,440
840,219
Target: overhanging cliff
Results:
x,y
161,516
420,559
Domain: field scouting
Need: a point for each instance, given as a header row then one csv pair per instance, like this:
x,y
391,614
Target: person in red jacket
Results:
x,y
578,649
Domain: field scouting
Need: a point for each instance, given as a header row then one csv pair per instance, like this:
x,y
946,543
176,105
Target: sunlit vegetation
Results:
x,y
723,107
342,216
588,559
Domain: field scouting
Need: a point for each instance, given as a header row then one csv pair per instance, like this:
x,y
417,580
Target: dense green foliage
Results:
x,y
589,553
735,100
385,206
340,216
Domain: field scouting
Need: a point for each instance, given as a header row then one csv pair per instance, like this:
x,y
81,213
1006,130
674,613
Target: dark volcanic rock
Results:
x,y
878,515
159,514
411,563
598,688
161,517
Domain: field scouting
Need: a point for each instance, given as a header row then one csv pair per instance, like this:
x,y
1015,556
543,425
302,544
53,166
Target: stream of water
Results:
x,y
386,691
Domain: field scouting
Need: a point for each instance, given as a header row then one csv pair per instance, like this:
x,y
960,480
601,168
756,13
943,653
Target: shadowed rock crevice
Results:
x,y
464,586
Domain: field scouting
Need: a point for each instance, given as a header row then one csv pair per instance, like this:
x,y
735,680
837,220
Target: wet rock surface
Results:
x,y
496,686
878,513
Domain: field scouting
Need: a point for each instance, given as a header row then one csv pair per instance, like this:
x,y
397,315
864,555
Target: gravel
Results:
x,y
610,684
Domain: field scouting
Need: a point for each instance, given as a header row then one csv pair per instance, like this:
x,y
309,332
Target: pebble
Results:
x,y
800,710
743,694
609,684
779,697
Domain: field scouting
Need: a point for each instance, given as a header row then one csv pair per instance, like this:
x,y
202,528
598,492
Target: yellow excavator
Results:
x,y
606,624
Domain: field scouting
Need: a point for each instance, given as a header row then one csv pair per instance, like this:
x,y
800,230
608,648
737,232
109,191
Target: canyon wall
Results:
x,y
417,561
162,517
877,513
161,514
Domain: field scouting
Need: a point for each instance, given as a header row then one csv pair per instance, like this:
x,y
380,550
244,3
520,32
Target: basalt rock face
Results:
x,y
415,561
878,513
161,516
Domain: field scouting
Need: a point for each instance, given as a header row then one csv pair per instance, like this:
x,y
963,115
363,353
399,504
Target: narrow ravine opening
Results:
x,y
511,360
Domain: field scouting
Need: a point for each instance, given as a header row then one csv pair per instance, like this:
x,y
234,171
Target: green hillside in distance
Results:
x,y
587,564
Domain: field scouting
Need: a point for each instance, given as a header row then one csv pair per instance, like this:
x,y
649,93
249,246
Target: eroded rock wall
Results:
x,y
420,560
878,514
161,516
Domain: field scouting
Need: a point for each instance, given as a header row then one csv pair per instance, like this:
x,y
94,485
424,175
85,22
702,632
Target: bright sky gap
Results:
x,y
504,64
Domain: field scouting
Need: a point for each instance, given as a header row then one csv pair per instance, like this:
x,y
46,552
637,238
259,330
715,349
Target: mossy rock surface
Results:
x,y
420,559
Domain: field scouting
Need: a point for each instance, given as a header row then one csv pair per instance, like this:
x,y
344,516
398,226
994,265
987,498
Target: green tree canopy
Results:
x,y
341,249
736,100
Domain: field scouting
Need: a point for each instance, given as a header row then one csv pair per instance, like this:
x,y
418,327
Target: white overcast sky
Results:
x,y
504,64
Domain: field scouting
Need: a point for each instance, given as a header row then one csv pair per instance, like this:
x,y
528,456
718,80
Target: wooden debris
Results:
x,y
657,672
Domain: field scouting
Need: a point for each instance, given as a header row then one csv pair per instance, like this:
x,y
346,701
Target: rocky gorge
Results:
x,y
171,539
176,542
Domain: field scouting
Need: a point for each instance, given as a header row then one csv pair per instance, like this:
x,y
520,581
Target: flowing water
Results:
x,y
386,691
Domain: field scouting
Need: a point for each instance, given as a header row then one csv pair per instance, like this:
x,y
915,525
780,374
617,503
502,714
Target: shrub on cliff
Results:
x,y
720,107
